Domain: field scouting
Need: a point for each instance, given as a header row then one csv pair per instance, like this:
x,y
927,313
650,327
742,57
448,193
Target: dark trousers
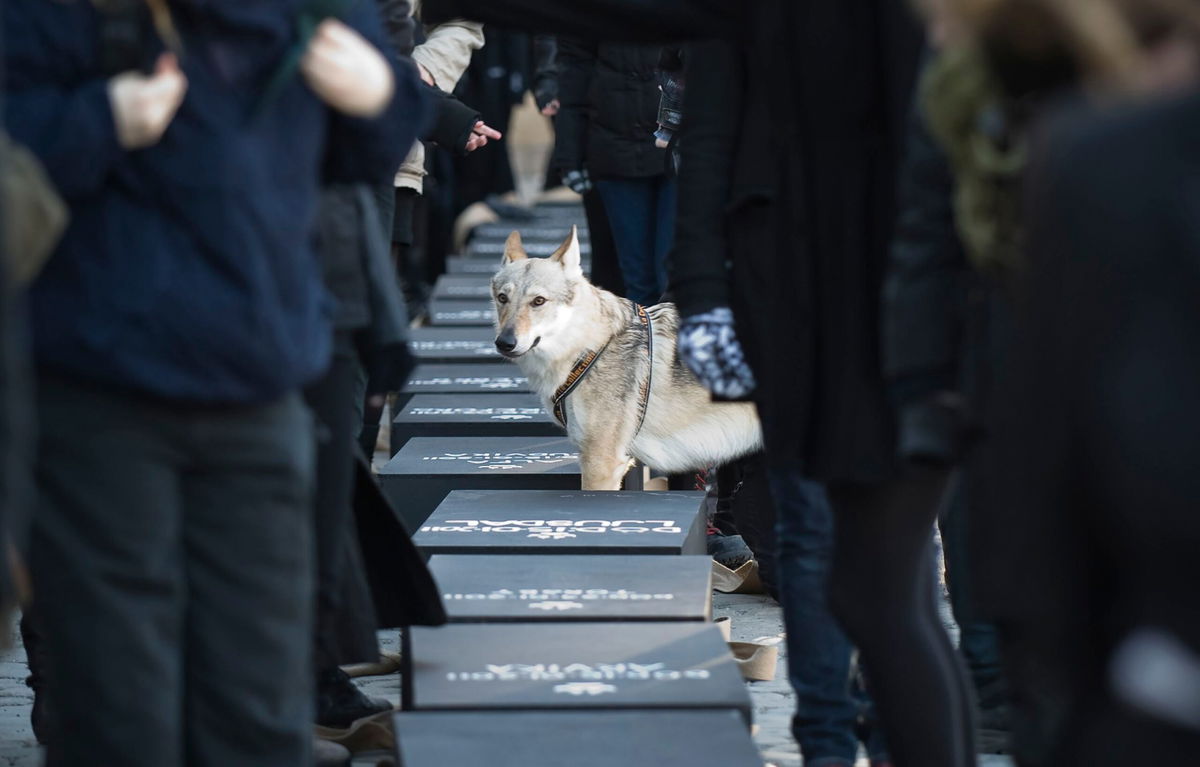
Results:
x,y
332,403
828,707
171,554
641,214
979,641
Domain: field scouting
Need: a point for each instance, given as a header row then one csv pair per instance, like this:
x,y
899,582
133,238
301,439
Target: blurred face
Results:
x,y
1170,65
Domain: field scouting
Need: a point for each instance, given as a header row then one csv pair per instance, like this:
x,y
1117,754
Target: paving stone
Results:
x,y
485,588
526,521
473,415
679,665
579,739
477,378
427,469
453,345
463,287
447,312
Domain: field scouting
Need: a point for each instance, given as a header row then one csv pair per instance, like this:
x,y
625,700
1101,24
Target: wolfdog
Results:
x,y
608,370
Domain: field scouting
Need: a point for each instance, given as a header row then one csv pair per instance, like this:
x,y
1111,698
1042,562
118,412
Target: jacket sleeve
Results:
x,y
577,64
446,52
611,20
545,70
452,123
398,24
922,311
369,150
711,116
66,122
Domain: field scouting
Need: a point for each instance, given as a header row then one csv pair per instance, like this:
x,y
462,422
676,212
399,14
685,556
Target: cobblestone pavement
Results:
x,y
753,618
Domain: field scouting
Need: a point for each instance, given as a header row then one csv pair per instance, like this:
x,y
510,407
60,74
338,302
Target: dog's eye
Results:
x,y
502,298
539,301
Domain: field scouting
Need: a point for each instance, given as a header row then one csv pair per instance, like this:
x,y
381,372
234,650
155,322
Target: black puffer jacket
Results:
x,y
609,94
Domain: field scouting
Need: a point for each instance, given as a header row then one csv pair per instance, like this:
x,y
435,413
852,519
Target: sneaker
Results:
x,y
340,703
728,550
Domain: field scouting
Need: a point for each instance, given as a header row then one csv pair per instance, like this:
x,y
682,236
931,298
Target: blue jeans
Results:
x,y
828,701
641,214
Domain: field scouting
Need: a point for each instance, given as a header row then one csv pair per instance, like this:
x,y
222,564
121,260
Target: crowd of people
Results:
x,y
947,249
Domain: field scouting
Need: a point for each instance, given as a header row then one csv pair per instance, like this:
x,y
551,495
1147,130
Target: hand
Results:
x,y
578,181
709,347
346,71
480,135
552,108
143,106
425,76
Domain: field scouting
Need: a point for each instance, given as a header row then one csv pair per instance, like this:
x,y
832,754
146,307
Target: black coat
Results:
x,y
790,149
609,95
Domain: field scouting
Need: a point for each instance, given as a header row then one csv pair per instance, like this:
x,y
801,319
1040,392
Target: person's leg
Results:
x,y
664,228
606,269
629,203
248,531
978,639
883,592
754,515
818,651
107,564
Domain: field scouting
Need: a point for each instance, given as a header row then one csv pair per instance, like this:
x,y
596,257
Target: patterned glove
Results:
x,y
710,349
578,181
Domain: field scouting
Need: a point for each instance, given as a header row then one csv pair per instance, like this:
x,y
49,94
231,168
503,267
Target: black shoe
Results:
x,y
340,703
728,550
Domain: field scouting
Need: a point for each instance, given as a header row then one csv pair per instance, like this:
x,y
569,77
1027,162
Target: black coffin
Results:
x,y
541,232
463,287
480,667
521,521
488,266
447,312
503,377
494,249
477,415
574,739
464,265
426,469
485,588
453,345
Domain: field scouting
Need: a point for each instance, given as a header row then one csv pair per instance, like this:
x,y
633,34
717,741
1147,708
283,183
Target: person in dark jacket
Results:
x,y
789,178
172,329
609,109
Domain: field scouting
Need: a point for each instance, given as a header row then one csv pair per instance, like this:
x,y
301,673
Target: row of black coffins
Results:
x,y
580,622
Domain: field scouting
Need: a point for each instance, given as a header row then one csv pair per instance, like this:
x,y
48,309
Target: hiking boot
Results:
x,y
326,754
340,703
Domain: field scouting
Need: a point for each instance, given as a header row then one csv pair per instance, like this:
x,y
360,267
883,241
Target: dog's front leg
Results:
x,y
603,467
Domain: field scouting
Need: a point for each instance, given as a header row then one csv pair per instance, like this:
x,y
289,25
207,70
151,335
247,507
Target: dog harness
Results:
x,y
585,363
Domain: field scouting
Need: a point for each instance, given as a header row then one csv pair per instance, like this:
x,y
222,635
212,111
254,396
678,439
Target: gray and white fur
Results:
x,y
548,316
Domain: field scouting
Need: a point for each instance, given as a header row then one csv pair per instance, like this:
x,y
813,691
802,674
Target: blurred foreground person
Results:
x,y
1096,435
172,545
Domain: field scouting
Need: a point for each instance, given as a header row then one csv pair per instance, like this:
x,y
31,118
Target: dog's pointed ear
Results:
x,y
568,254
514,249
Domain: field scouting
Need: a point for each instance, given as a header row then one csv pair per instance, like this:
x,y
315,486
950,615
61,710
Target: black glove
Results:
x,y
578,181
709,347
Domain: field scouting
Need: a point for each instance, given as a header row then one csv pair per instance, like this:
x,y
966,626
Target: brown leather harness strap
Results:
x,y
584,366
